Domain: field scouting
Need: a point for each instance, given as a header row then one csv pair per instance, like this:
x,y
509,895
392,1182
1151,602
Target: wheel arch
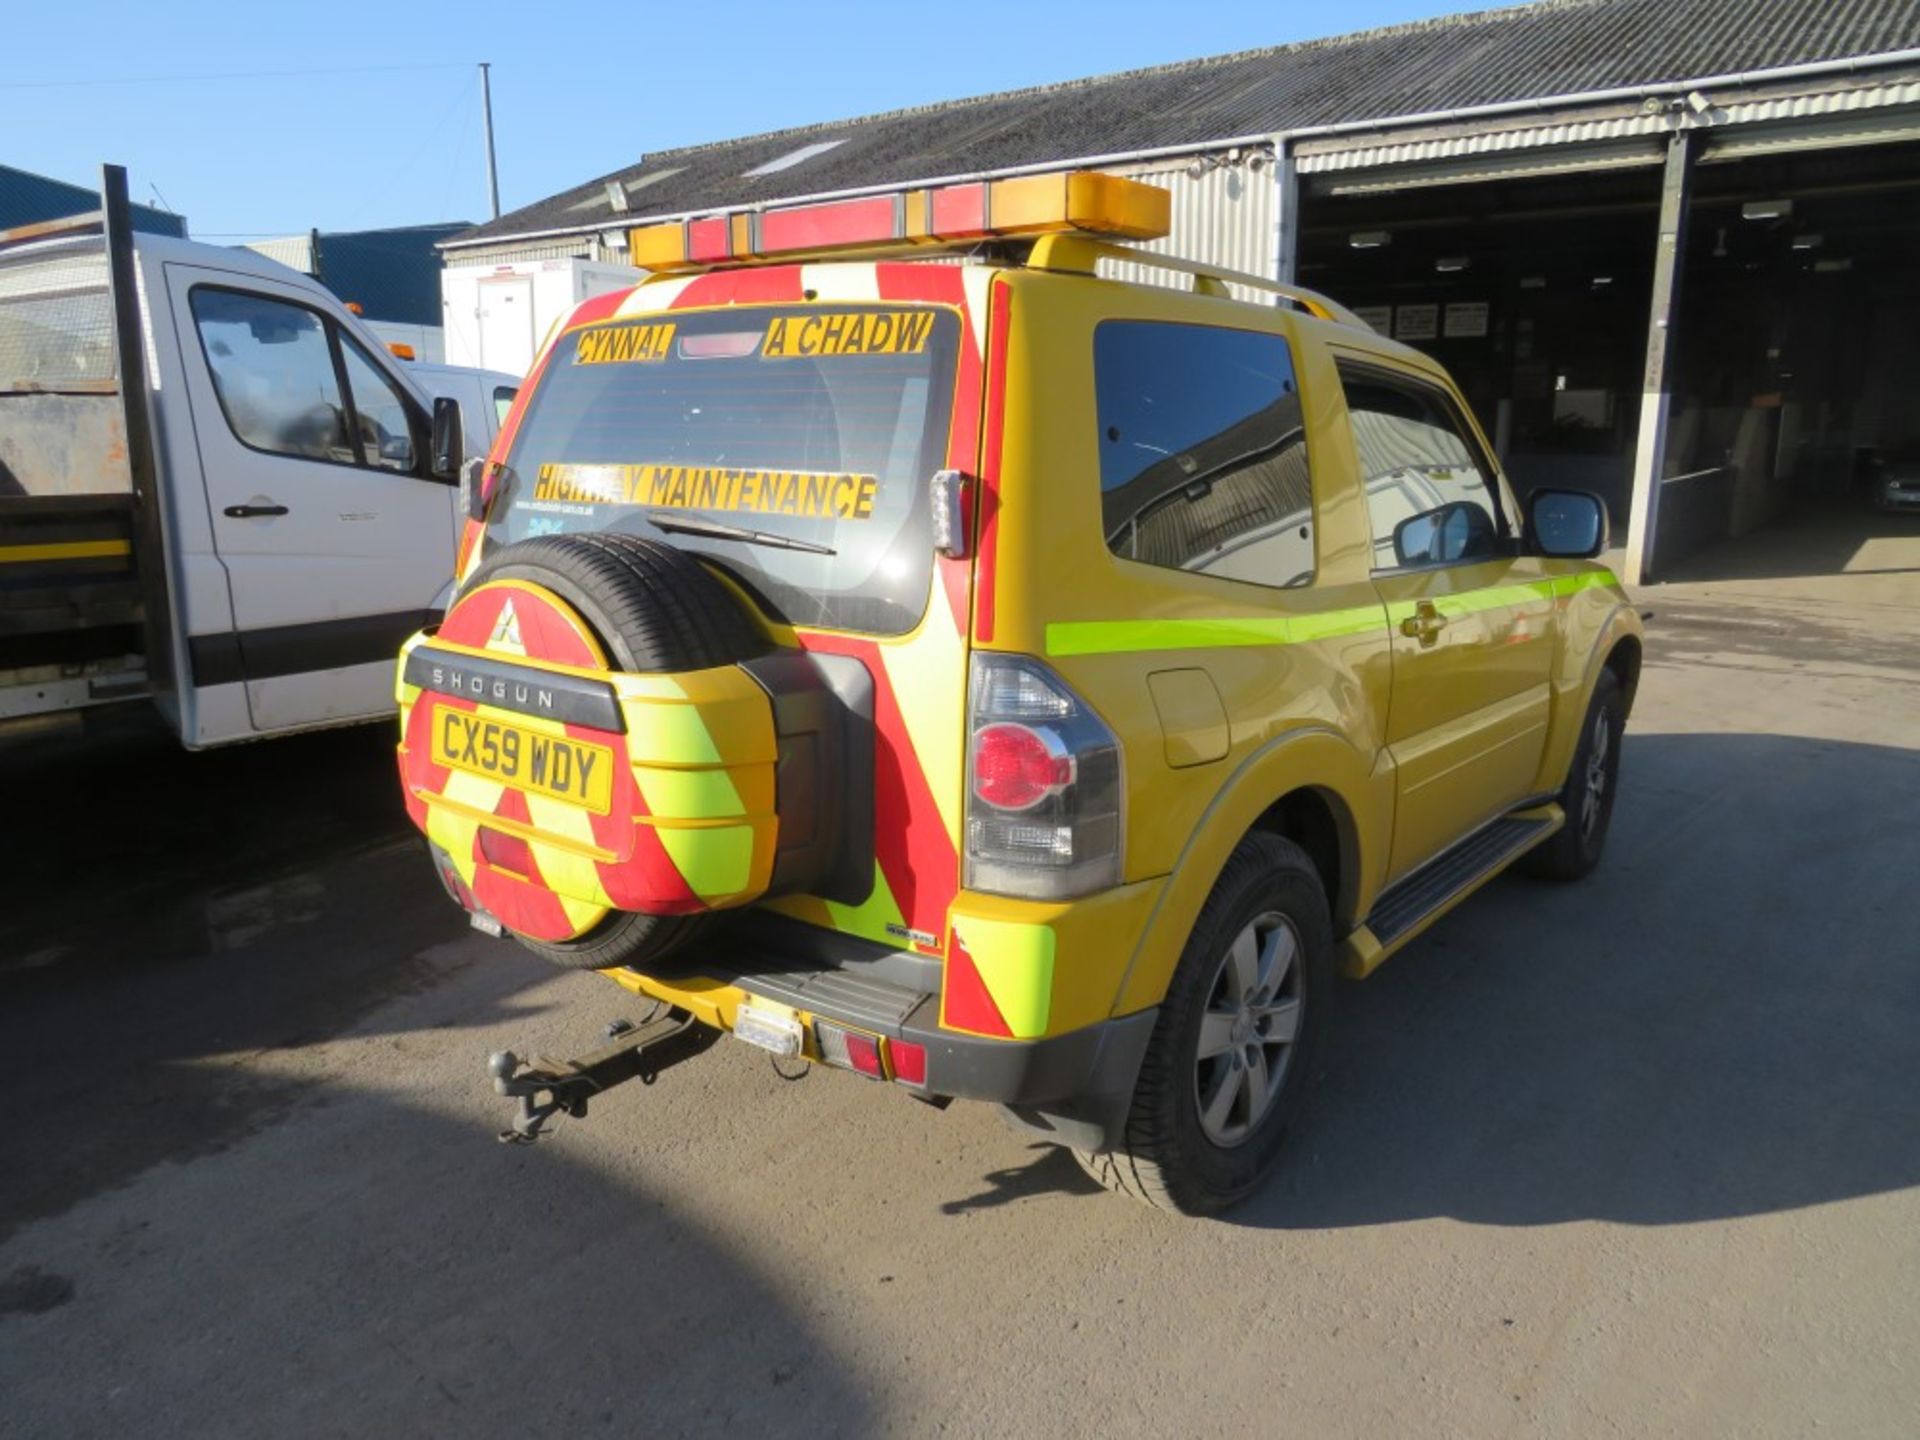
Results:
x,y
1310,785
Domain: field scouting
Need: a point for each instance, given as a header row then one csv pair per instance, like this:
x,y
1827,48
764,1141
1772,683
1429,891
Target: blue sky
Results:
x,y
272,118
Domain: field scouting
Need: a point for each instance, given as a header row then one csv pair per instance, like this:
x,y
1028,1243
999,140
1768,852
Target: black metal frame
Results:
x,y
130,363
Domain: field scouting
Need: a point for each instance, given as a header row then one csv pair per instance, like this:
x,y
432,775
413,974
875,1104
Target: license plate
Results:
x,y
556,765
778,1033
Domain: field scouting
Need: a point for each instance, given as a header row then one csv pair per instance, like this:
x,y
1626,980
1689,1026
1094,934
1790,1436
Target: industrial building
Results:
x,y
1667,246
390,276
30,199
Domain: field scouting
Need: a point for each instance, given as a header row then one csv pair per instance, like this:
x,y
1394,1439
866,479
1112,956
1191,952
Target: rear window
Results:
x,y
817,428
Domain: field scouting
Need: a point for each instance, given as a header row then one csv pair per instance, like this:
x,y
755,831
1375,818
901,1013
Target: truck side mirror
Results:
x,y
447,449
1567,524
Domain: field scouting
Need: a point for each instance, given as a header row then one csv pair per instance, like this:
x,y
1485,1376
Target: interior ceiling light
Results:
x,y
1600,280
1452,264
1369,239
1807,242
1766,209
1533,282
1839,262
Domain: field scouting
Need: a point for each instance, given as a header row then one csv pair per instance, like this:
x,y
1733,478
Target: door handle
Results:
x,y
1425,624
249,512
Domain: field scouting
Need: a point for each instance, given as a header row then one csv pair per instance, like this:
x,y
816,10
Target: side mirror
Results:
x,y
448,448
1567,524
1459,530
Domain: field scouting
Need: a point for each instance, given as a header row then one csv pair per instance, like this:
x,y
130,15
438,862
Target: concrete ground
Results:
x,y
1639,1156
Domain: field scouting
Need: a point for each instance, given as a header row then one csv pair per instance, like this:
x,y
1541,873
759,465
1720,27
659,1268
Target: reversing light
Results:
x,y
851,1049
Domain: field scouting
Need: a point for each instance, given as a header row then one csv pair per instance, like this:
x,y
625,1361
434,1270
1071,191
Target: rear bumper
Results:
x,y
1075,1087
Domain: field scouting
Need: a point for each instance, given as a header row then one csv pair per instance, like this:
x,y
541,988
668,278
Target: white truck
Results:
x,y
218,493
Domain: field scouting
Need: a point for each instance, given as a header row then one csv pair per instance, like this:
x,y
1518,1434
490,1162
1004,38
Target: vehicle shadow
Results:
x,y
378,1269
272,1219
1723,1021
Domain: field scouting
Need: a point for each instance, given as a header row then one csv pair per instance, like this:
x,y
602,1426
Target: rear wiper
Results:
x,y
715,530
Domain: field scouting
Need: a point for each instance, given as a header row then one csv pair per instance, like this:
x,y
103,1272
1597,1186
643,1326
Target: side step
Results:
x,y
1409,905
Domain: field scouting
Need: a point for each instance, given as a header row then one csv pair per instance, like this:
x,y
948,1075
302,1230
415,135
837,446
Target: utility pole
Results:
x,y
486,117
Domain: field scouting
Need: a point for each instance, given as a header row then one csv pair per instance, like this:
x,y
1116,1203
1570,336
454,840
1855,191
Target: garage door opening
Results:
x,y
1533,293
1794,444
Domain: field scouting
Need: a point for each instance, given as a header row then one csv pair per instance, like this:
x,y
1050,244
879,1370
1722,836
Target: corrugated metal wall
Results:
x,y
1225,217
574,247
293,251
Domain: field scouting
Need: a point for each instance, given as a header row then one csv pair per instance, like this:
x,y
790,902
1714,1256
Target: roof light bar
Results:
x,y
1082,201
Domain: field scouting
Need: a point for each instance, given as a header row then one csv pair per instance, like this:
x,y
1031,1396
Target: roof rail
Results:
x,y
1077,254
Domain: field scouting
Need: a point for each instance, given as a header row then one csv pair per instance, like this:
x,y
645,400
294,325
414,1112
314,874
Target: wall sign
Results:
x,y
1415,322
1380,317
1466,320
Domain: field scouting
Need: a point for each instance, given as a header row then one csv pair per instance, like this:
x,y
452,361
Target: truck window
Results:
x,y
1416,460
1203,455
503,402
290,384
273,369
380,415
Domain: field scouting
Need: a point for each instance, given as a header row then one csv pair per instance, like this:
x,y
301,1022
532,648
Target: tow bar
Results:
x,y
546,1088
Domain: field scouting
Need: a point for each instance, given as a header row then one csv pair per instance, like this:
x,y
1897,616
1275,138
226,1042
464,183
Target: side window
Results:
x,y
380,415
1430,500
1203,455
503,402
272,367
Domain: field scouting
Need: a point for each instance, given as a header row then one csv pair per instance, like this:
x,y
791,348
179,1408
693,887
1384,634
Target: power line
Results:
x,y
227,75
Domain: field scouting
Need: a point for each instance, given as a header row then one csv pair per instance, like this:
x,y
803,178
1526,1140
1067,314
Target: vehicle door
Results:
x,y
333,539
1471,617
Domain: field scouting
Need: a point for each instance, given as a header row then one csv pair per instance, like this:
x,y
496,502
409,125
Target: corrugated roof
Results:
x,y
1556,47
27,199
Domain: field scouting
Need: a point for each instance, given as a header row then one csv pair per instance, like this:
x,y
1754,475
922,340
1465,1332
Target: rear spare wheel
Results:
x,y
653,610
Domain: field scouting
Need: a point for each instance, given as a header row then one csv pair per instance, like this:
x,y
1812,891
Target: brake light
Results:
x,y
1043,785
1015,767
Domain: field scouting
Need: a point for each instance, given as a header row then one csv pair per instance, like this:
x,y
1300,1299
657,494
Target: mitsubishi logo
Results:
x,y
506,631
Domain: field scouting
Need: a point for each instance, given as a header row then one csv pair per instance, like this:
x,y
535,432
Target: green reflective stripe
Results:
x,y
1109,637
1114,637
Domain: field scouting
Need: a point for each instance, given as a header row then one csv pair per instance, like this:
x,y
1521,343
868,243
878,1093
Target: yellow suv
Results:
x,y
1002,681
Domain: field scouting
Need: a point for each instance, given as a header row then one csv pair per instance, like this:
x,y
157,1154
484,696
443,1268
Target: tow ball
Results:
x,y
546,1088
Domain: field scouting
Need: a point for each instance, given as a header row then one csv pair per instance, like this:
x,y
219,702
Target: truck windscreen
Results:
x,y
790,447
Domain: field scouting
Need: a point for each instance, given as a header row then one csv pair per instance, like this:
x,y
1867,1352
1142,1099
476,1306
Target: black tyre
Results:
x,y
1233,1049
655,609
1592,782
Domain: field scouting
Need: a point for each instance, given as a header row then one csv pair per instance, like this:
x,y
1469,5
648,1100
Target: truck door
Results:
x,y
334,542
1472,634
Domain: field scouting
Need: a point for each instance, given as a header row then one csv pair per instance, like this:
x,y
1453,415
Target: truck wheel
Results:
x,y
1230,1056
1592,781
655,609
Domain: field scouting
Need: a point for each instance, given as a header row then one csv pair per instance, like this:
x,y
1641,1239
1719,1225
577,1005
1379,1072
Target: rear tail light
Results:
x,y
1043,785
867,1054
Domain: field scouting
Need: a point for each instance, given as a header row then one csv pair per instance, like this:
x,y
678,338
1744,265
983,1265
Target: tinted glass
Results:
x,y
1203,457
380,415
818,427
1416,461
273,370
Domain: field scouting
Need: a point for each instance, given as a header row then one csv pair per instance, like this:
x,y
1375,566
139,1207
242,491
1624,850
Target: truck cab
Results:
x,y
1003,681
215,493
